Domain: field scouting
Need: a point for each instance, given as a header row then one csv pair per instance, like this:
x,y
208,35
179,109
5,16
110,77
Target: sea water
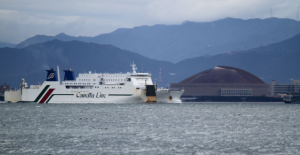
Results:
x,y
186,128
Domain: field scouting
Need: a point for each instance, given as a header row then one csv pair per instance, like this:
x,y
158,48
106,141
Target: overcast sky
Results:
x,y
21,19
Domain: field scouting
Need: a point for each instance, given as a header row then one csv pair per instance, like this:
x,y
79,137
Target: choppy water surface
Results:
x,y
188,128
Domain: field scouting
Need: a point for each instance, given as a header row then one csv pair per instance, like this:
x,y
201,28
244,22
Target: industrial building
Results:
x,y
3,88
277,89
222,81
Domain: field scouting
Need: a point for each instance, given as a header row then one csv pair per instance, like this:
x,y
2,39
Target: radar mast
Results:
x,y
134,68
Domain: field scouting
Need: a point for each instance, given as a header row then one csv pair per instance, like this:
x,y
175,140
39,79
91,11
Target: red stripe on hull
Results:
x,y
46,96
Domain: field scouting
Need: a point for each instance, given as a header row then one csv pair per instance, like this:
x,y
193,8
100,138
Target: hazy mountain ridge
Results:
x,y
3,44
43,38
277,61
190,39
32,61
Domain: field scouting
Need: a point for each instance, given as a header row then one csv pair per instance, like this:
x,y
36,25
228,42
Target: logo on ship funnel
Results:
x,y
51,76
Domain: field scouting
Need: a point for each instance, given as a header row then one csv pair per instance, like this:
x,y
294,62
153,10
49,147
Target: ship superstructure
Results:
x,y
94,88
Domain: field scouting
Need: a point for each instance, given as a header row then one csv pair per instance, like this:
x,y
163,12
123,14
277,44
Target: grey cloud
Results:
x,y
27,18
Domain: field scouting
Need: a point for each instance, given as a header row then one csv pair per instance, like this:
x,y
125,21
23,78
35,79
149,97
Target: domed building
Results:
x,y
223,81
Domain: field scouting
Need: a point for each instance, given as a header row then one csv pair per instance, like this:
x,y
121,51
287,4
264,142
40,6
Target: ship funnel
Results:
x,y
51,75
69,75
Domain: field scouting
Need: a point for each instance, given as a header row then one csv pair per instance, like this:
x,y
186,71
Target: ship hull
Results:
x,y
93,88
53,92
168,96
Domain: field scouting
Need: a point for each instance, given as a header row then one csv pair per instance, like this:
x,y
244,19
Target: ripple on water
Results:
x,y
187,128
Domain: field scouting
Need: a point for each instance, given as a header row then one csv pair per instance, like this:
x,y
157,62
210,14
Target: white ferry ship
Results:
x,y
95,88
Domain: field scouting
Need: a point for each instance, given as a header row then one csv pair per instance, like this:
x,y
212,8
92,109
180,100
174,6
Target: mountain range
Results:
x,y
32,61
278,61
175,43
3,44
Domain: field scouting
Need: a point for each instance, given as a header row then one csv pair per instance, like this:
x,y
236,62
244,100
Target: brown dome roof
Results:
x,y
223,74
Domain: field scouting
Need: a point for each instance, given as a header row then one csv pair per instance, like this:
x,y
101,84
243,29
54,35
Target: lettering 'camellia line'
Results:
x,y
90,95
99,95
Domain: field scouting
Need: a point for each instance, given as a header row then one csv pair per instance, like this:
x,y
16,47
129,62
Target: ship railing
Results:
x,y
79,87
110,83
35,86
11,90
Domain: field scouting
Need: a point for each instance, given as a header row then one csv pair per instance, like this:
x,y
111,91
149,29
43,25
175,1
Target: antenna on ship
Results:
x,y
58,74
134,68
160,78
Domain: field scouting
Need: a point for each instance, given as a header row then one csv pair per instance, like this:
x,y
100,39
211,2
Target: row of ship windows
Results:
x,y
86,79
108,87
114,80
108,79
113,87
114,75
105,75
85,75
80,83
